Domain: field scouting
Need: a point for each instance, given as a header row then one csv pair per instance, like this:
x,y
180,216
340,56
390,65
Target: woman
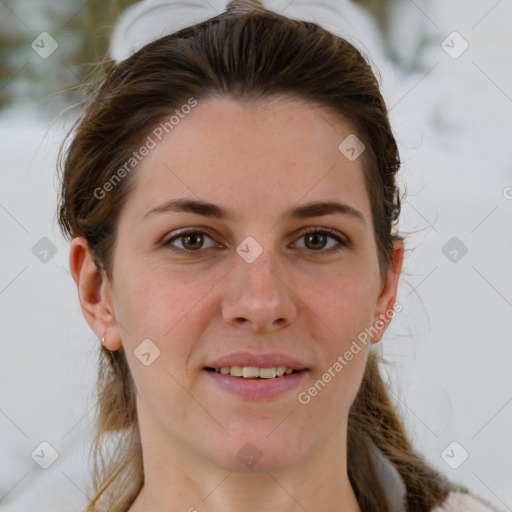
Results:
x,y
231,199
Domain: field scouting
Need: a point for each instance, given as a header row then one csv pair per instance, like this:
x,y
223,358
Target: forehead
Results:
x,y
253,157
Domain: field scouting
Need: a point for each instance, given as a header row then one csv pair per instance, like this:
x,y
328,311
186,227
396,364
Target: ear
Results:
x,y
384,311
94,294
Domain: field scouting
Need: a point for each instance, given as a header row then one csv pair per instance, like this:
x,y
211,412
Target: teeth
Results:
x,y
251,372
266,373
236,371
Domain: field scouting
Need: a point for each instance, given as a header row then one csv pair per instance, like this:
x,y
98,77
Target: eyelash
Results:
x,y
316,231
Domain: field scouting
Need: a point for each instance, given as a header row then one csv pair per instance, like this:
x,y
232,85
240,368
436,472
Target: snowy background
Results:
x,y
447,78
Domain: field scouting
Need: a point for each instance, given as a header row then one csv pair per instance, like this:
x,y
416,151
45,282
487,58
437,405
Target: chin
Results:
x,y
259,454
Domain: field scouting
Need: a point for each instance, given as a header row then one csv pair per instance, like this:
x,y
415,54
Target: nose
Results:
x,y
259,296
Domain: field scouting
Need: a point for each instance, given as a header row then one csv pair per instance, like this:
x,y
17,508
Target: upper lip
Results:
x,y
259,360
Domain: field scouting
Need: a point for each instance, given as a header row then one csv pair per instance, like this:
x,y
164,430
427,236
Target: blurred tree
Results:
x,y
82,29
99,22
378,8
82,32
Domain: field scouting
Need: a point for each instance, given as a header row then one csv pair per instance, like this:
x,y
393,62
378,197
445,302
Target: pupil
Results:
x,y
316,237
194,237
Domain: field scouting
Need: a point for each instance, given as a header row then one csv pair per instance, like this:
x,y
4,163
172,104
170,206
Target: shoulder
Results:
x,y
462,502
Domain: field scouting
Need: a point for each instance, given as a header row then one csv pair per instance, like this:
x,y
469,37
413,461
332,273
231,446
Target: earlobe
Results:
x,y
385,310
94,294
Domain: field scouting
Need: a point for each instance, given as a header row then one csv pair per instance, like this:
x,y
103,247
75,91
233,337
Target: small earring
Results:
x,y
103,340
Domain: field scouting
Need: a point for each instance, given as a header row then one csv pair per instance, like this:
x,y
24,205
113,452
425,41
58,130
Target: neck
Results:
x,y
177,479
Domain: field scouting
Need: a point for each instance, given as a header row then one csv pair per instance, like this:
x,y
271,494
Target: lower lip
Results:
x,y
258,389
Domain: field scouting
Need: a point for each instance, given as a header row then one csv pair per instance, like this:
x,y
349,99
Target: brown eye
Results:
x,y
318,239
191,241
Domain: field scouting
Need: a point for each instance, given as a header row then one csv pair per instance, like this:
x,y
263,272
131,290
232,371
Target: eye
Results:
x,y
317,240
190,240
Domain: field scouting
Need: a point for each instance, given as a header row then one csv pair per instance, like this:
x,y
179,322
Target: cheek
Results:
x,y
326,400
167,309
344,305
158,302
345,308
172,309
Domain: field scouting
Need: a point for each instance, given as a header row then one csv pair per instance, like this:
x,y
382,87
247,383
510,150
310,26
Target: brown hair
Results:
x,y
251,54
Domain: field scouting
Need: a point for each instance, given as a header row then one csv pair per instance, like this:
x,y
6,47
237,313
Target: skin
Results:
x,y
256,161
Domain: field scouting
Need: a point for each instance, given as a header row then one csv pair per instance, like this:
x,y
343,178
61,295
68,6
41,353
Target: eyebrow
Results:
x,y
313,209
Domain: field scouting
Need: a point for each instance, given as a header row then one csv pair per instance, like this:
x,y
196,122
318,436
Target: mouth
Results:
x,y
253,383
257,375
254,372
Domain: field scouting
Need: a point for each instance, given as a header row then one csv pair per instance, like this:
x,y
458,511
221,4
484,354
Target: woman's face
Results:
x,y
240,283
